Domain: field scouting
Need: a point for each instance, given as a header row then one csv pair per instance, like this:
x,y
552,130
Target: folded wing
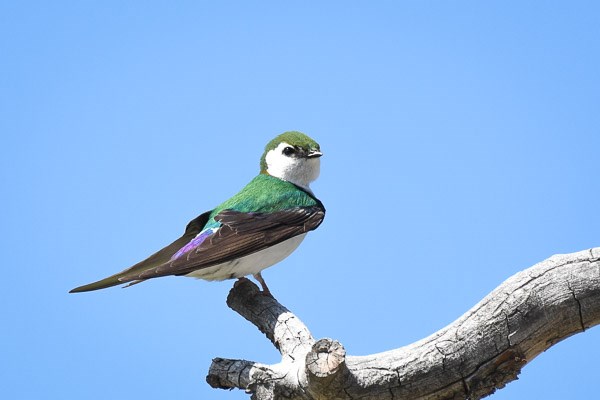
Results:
x,y
239,235
160,257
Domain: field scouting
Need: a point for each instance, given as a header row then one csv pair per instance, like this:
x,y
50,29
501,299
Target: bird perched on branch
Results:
x,y
253,230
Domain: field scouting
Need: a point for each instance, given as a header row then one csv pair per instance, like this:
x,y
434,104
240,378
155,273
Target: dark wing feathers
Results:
x,y
160,257
241,234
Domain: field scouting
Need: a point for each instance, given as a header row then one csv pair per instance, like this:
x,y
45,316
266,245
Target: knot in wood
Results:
x,y
325,358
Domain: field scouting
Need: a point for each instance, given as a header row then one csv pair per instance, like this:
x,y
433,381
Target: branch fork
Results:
x,y
471,358
305,363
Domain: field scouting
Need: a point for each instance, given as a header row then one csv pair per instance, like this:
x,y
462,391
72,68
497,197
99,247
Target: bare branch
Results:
x,y
287,333
472,357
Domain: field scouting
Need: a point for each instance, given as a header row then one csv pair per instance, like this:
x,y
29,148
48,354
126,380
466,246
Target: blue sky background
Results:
x,y
461,146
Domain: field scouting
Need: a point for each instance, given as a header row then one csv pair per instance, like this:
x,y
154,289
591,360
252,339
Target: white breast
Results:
x,y
250,264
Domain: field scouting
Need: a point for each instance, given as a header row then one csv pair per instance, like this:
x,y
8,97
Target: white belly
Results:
x,y
250,264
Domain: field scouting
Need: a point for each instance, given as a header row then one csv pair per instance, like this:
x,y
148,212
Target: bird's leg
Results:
x,y
265,288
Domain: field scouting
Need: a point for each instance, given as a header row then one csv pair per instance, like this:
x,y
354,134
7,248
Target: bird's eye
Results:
x,y
288,151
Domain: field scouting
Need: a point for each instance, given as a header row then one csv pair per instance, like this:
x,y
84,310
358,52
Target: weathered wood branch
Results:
x,y
472,357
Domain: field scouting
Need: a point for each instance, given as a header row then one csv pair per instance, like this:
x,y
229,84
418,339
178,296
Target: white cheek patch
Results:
x,y
278,164
298,170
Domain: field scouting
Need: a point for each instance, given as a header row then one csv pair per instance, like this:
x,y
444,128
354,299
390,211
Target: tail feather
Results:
x,y
103,284
158,258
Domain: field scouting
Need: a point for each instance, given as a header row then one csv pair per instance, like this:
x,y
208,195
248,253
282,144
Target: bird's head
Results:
x,y
293,157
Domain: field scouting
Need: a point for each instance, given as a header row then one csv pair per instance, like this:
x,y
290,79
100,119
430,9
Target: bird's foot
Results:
x,y
263,284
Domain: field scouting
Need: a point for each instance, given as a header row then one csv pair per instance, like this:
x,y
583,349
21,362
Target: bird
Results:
x,y
256,228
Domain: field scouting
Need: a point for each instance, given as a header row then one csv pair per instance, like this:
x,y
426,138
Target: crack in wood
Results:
x,y
467,359
578,306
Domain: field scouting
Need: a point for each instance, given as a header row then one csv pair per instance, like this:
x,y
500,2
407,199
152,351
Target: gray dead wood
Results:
x,y
471,358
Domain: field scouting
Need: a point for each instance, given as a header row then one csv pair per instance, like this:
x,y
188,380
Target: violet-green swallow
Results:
x,y
255,229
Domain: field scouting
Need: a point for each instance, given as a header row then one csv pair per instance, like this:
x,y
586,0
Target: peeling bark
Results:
x,y
471,358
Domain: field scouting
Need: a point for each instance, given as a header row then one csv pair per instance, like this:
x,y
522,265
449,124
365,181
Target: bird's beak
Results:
x,y
314,154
